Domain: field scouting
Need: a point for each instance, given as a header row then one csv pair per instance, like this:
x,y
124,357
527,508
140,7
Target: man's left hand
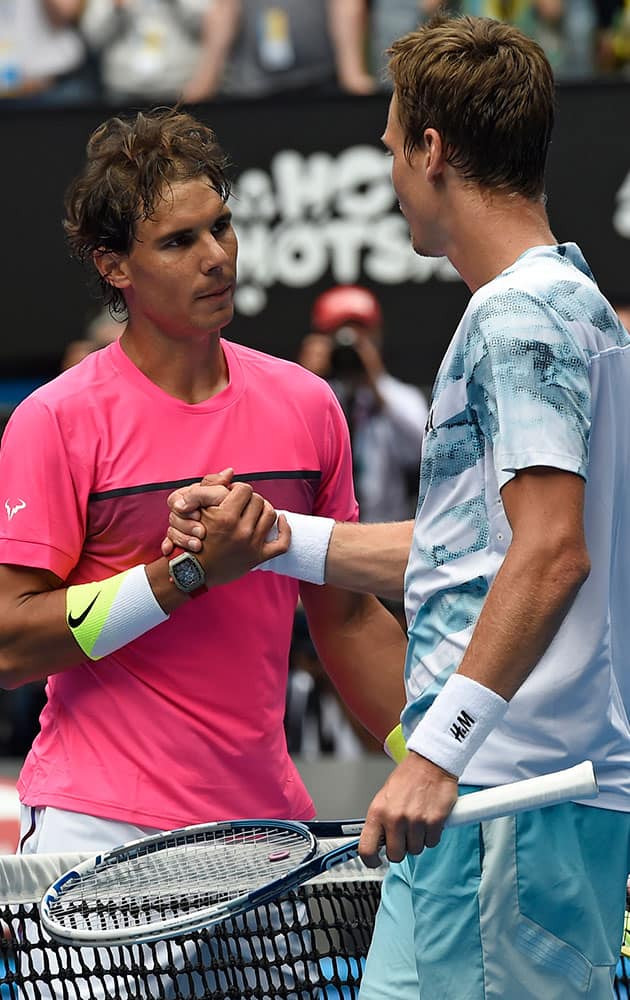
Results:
x,y
409,812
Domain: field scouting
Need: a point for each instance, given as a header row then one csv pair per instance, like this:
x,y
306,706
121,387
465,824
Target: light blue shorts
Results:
x,y
521,908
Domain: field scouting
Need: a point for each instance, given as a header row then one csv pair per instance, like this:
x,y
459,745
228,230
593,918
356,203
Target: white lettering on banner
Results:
x,y
317,213
302,184
621,218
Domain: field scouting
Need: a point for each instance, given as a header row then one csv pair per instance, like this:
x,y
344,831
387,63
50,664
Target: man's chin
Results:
x,y
220,318
425,251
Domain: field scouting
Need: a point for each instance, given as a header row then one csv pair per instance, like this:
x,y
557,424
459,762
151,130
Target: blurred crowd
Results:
x,y
59,52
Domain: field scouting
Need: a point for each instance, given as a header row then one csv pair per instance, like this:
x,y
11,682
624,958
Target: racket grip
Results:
x,y
578,782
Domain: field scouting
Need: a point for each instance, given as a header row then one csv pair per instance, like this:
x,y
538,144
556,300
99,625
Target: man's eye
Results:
x,y
178,241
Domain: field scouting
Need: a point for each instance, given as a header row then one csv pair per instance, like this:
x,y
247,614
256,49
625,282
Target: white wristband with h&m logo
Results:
x,y
456,724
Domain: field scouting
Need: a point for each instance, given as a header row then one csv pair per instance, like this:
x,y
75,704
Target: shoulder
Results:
x,y
549,298
542,279
73,391
280,373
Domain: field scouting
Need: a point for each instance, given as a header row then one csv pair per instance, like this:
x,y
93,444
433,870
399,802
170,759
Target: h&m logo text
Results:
x,y
462,726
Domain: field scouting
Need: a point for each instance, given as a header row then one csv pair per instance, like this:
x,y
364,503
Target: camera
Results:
x,y
344,359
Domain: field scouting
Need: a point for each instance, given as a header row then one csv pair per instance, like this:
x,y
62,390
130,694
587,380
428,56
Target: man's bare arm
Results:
x,y
347,21
219,31
362,648
545,566
365,558
370,558
35,637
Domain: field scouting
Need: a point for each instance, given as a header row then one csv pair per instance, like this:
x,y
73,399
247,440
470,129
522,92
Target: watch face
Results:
x,y
187,572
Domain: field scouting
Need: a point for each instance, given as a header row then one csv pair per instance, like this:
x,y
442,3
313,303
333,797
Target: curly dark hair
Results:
x,y
130,167
488,89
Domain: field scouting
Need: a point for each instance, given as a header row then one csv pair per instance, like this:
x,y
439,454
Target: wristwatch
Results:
x,y
187,574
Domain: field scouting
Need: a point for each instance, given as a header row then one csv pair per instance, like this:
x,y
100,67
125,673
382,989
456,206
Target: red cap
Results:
x,y
345,304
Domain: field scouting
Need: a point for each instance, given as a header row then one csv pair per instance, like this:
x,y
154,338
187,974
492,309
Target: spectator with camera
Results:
x,y
386,417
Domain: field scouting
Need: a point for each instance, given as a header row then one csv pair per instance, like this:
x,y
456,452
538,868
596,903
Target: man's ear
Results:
x,y
112,267
434,150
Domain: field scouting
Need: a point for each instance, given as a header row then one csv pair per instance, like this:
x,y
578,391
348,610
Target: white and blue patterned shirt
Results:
x,y
537,374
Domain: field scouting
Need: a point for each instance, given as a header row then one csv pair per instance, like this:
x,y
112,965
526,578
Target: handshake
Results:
x,y
230,530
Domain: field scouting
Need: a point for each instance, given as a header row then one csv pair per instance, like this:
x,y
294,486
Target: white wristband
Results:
x,y
305,558
106,615
456,724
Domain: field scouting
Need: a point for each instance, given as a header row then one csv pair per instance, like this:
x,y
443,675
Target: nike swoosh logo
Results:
x,y
75,622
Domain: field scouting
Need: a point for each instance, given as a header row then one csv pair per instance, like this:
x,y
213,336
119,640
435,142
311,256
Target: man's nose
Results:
x,y
213,254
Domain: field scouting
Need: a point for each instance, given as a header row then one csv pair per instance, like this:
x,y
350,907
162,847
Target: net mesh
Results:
x,y
311,943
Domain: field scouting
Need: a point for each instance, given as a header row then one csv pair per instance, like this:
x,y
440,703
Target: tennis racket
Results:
x,y
172,883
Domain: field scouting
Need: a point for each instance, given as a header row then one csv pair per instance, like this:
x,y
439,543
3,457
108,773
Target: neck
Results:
x,y
490,231
192,370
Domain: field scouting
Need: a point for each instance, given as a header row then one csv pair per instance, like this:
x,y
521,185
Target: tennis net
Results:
x,y
311,943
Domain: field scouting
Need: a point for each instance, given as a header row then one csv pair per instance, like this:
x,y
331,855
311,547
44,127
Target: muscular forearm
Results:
x,y
370,558
525,607
522,613
35,638
363,654
34,635
544,567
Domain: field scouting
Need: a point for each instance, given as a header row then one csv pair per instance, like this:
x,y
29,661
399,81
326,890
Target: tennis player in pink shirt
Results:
x,y
166,676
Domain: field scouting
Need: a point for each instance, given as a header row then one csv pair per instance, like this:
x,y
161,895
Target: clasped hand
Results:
x,y
229,528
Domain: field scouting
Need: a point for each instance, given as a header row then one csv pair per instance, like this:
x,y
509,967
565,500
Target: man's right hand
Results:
x,y
185,511
226,525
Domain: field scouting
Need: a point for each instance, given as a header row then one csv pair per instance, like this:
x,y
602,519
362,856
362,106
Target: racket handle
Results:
x,y
578,782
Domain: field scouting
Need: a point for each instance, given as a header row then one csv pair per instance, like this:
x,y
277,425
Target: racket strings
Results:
x,y
178,876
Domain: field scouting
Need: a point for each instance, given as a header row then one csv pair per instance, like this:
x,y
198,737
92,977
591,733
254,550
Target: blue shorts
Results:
x,y
527,907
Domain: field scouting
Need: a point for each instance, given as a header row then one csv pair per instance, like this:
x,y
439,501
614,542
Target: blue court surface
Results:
x,y
341,968
5,989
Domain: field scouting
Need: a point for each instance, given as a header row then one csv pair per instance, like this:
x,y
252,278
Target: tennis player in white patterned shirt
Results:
x,y
517,582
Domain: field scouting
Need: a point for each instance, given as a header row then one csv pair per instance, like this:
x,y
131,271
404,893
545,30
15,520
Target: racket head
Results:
x,y
172,883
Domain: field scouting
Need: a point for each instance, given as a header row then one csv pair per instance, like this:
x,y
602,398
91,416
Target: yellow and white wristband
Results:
x,y
305,559
456,724
109,614
394,745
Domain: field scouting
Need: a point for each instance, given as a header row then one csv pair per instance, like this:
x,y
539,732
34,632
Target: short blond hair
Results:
x,y
487,89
